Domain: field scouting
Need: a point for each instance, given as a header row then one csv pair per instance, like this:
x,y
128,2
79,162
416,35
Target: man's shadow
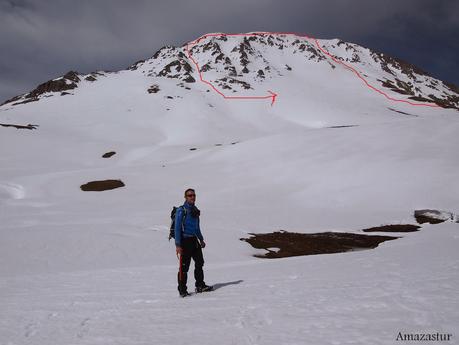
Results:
x,y
220,285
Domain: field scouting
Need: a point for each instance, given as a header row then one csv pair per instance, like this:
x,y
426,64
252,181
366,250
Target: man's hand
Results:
x,y
203,244
178,250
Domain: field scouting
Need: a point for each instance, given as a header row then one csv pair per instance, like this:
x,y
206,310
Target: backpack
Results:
x,y
172,228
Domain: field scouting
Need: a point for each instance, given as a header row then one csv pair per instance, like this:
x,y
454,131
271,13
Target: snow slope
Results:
x,y
96,267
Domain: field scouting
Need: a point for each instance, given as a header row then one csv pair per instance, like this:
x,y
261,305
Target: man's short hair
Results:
x,y
189,190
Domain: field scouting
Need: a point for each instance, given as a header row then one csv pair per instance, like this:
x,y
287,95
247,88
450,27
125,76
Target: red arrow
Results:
x,y
274,95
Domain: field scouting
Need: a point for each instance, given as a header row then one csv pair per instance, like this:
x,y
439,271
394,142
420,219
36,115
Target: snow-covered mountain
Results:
x,y
340,149
243,64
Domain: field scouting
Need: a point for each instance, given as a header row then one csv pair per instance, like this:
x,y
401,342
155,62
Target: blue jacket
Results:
x,y
190,225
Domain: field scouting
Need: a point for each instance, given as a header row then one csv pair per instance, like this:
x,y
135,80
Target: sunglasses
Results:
x,y
190,195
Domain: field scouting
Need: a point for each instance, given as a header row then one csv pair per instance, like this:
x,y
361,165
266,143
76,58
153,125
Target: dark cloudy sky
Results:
x,y
43,39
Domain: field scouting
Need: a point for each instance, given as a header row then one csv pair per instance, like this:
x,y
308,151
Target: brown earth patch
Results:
x,y
394,228
429,216
29,126
342,126
108,154
295,244
98,186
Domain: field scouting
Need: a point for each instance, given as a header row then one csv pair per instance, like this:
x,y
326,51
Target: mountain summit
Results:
x,y
245,65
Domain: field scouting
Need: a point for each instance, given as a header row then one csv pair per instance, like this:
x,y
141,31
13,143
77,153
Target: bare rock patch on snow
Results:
x,y
153,89
434,216
342,126
295,244
98,186
108,154
393,228
68,82
29,126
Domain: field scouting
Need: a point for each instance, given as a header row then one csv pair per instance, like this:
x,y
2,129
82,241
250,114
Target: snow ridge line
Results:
x,y
272,94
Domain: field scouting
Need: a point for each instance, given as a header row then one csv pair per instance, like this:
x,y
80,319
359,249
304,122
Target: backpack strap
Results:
x,y
183,218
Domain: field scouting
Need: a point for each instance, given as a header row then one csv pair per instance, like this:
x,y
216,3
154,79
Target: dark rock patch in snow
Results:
x,y
450,101
15,98
29,126
400,87
295,244
153,89
108,154
420,99
342,126
393,228
407,88
93,76
180,69
98,186
402,112
434,216
136,65
189,79
223,82
185,87
389,64
67,82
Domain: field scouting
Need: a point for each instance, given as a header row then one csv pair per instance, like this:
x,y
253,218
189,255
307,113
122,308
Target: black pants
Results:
x,y
191,248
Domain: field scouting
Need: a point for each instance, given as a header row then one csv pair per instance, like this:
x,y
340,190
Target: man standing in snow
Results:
x,y
188,242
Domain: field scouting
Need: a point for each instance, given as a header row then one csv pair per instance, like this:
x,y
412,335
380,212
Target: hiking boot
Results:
x,y
203,288
184,293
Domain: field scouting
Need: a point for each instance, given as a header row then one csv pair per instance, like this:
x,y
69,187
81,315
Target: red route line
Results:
x,y
273,95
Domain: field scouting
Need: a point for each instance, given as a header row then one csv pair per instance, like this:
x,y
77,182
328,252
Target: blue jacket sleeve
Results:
x,y
199,232
178,226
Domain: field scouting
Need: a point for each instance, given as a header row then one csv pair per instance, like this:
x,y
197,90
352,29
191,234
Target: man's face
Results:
x,y
190,197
